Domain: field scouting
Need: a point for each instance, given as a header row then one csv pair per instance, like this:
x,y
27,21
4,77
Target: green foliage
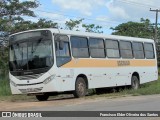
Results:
x,y
4,63
143,29
76,24
73,24
92,28
4,86
146,89
11,12
28,25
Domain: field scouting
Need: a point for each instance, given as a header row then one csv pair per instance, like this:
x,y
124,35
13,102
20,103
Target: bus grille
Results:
x,y
32,90
29,77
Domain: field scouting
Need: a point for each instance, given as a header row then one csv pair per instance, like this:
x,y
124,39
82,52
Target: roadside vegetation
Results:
x,y
145,89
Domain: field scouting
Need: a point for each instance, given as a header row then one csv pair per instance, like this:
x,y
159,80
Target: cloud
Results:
x,y
131,10
85,7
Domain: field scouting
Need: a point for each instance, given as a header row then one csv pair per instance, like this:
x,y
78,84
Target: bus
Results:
x,y
44,62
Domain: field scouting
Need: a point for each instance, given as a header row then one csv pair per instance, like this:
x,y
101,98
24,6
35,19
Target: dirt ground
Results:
x,y
58,101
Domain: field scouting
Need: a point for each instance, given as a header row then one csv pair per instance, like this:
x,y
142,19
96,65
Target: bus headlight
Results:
x,y
13,83
47,80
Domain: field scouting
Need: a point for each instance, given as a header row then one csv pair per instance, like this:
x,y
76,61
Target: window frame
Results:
x,y
154,56
70,56
138,50
112,48
97,48
126,49
81,47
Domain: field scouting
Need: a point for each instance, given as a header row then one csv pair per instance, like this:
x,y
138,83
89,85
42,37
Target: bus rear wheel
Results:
x,y
135,82
80,88
43,97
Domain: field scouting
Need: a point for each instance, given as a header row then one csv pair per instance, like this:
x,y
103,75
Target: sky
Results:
x,y
106,13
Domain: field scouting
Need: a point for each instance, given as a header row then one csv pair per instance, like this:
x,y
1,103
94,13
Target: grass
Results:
x,y
145,89
4,86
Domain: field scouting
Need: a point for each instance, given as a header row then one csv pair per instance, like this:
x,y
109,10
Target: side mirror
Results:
x,y
61,45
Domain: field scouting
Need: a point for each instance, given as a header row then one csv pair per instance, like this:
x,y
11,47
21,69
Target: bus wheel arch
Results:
x,y
81,86
135,81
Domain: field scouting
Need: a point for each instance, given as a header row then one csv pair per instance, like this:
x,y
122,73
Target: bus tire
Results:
x,y
80,88
42,97
135,82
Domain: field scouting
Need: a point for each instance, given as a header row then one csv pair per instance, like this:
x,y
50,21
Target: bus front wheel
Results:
x,y
135,82
43,97
80,88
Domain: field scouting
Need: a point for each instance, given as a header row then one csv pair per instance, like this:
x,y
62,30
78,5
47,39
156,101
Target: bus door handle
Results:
x,y
58,76
105,74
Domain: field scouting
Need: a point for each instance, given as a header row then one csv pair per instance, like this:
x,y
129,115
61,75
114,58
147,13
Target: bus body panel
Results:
x,y
100,72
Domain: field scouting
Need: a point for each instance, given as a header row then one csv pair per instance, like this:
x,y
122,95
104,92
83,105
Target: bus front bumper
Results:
x,y
42,87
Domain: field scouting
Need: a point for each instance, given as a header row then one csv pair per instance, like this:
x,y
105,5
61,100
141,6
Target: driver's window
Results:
x,y
62,50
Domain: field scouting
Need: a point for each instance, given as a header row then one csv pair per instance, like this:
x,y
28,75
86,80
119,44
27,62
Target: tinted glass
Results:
x,y
96,48
80,47
126,54
62,54
138,50
138,54
96,43
125,45
137,46
148,47
111,44
112,50
149,51
113,53
126,49
79,42
97,53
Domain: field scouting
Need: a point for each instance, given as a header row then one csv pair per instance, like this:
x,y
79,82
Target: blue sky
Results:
x,y
107,13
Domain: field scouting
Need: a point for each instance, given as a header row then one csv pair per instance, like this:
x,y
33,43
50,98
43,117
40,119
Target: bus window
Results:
x,y
149,51
96,48
138,50
62,54
126,49
112,48
79,47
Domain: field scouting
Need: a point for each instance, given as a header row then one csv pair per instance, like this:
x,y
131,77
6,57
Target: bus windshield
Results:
x,y
31,55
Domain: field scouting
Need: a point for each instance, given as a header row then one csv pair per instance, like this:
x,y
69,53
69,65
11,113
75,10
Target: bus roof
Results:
x,y
88,34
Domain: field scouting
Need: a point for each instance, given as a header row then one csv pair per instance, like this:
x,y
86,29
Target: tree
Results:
x,y
73,24
12,10
143,29
29,25
10,15
92,28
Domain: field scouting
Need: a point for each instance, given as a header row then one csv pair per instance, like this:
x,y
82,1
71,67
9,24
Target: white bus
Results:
x,y
47,61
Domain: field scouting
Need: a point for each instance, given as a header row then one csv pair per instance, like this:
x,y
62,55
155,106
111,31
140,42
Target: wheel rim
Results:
x,y
135,84
81,88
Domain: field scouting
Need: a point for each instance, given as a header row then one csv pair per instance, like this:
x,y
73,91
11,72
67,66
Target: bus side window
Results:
x,y
149,50
79,47
62,51
97,49
112,48
138,50
126,49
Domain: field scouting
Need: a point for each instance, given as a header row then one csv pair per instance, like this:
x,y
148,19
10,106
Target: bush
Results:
x,y
4,86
